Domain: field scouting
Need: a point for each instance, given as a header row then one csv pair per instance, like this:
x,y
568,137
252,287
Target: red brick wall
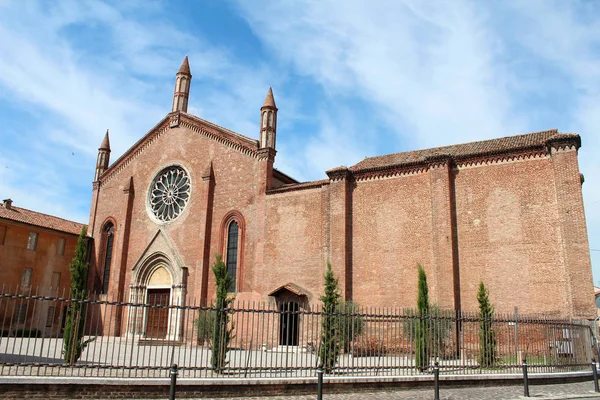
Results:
x,y
391,234
15,257
517,225
294,247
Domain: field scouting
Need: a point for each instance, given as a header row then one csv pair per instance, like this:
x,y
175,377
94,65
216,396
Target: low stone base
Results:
x,y
48,388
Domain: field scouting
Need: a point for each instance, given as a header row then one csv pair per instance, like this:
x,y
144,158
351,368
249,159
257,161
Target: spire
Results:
x,y
182,87
270,100
103,157
185,67
268,122
105,142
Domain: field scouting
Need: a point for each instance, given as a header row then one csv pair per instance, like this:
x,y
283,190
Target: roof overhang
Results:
x,y
289,287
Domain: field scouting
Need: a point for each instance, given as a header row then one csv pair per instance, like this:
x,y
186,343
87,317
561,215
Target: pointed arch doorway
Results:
x,y
158,287
158,298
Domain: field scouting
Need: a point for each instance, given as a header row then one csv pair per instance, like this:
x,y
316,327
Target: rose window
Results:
x,y
169,193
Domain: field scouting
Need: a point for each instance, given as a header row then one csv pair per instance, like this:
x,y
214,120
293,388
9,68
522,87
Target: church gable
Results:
x,y
174,121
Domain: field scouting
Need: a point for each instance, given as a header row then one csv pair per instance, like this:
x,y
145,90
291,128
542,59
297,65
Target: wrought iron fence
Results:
x,y
143,339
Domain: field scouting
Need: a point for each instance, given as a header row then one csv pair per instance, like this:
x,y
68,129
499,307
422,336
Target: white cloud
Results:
x,y
450,71
78,68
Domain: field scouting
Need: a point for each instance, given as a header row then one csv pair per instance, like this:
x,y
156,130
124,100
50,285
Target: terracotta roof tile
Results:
x,y
41,220
466,150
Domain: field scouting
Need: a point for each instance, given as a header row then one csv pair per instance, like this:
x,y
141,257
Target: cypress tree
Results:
x,y
421,331
73,343
487,335
330,346
222,331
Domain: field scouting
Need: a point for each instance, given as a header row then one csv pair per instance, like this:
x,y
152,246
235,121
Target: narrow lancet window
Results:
x,y
109,235
232,253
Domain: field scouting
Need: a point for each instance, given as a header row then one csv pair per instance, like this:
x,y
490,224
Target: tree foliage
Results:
x,y
223,330
422,331
487,335
73,343
205,325
350,324
330,344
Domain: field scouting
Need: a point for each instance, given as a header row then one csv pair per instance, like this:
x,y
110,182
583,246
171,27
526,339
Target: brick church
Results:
x,y
508,212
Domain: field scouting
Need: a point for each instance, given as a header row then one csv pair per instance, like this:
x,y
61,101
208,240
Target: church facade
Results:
x,y
508,212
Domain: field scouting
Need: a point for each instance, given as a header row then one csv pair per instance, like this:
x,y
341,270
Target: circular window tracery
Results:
x,y
169,193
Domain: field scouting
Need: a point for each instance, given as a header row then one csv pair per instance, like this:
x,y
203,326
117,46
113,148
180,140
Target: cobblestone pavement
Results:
x,y
582,390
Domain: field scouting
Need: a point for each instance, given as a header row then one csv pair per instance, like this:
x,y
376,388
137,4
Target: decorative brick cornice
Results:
x,y
439,160
564,142
299,186
172,120
134,151
377,173
266,153
339,173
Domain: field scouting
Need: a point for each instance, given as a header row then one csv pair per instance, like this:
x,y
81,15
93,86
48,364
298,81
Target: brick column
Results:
x,y
340,228
446,286
119,270
207,190
573,231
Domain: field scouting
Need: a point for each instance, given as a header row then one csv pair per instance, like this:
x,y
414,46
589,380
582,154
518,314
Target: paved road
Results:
x,y
583,390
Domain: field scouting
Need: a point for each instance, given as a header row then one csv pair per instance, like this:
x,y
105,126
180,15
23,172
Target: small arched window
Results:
x,y
264,119
109,237
232,253
271,118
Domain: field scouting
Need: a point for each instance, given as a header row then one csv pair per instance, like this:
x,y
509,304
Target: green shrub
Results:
x,y
222,331
350,325
421,330
204,326
487,335
73,344
439,325
330,344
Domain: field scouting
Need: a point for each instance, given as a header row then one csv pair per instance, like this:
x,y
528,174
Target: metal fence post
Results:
x,y
436,381
320,384
595,372
173,381
525,378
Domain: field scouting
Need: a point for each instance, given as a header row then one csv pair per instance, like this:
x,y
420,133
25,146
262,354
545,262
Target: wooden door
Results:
x,y
157,318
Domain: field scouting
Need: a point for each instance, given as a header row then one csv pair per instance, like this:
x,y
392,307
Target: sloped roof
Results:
x,y
290,287
465,150
41,220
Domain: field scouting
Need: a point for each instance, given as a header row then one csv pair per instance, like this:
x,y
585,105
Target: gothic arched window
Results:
x,y
108,234
232,253
264,121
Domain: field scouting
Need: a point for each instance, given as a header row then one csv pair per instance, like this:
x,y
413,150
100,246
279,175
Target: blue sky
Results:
x,y
351,79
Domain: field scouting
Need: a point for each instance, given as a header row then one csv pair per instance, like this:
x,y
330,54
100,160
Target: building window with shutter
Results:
x,y
32,242
26,277
55,280
50,319
60,247
20,314
109,237
2,234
